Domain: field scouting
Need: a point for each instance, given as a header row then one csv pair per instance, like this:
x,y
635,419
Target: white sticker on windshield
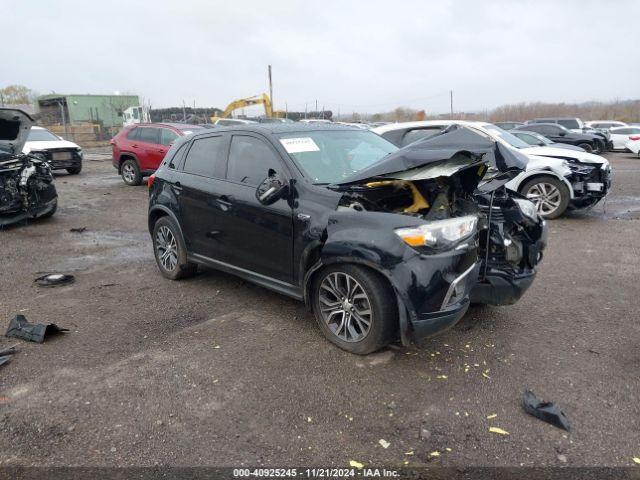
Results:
x,y
299,145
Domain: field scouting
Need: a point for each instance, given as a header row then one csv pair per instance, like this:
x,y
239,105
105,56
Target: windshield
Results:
x,y
330,156
510,138
41,135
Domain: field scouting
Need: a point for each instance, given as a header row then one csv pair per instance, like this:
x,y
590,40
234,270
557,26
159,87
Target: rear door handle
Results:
x,y
134,146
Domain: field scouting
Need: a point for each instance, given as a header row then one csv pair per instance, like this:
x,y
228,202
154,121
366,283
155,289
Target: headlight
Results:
x,y
80,154
39,155
527,208
439,234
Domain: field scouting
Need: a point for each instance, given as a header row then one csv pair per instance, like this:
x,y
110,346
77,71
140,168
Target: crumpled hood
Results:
x,y
564,153
443,152
14,129
49,145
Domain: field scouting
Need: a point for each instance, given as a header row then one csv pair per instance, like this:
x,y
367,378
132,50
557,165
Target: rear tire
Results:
x,y
585,146
169,250
74,170
131,172
546,192
341,297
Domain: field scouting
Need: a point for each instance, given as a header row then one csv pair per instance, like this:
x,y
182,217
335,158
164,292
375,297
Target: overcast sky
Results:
x,y
363,56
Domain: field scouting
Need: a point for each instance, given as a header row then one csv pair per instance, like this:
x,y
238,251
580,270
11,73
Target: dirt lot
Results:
x,y
216,371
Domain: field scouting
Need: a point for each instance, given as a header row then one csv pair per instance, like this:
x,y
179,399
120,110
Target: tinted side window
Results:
x,y
418,133
133,134
569,123
205,156
148,135
167,136
250,160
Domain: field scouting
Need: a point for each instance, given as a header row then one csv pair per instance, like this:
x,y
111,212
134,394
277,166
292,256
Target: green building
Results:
x,y
103,111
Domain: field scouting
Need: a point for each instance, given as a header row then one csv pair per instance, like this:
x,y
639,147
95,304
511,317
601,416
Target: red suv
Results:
x,y
139,149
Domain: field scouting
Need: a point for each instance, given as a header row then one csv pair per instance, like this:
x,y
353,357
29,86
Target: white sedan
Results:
x,y
620,136
56,151
633,146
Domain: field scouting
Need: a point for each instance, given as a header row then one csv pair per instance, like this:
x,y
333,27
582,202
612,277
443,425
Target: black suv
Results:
x,y
559,134
382,243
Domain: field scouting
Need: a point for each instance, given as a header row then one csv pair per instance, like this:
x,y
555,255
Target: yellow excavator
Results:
x,y
247,102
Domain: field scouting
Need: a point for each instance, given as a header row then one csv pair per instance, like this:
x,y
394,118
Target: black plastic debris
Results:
x,y
54,280
78,229
19,327
4,359
8,351
545,411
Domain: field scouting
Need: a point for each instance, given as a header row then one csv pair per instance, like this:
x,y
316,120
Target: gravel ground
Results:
x,y
216,371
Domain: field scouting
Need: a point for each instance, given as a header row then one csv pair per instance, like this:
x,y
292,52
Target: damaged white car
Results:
x,y
26,183
555,179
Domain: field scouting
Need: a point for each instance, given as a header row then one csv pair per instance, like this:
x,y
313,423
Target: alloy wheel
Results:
x,y
128,172
166,248
345,307
545,196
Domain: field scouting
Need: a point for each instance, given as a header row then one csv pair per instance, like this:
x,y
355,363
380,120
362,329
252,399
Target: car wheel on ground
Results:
x,y
52,211
550,196
170,251
74,170
131,172
587,147
355,308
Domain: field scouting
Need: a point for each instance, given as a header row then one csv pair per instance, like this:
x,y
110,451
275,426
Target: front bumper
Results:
x,y
32,213
453,307
499,288
60,159
590,184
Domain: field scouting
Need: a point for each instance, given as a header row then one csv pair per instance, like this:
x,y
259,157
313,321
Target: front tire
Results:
x,y
586,147
550,196
170,251
131,172
74,170
355,308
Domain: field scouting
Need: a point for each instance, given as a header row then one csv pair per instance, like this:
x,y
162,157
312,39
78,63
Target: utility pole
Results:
x,y
184,113
305,111
316,108
271,89
451,100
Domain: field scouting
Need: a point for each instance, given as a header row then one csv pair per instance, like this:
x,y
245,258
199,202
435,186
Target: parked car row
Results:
x,y
555,179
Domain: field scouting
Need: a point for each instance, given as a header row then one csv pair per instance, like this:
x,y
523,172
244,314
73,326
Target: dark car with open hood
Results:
x,y
383,244
26,183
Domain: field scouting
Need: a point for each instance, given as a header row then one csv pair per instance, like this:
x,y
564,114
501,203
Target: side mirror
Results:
x,y
541,144
271,189
562,134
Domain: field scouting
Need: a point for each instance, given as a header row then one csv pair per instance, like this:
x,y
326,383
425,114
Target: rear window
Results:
x,y
206,156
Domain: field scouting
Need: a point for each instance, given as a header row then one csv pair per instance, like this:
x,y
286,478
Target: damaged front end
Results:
x,y
471,240
26,183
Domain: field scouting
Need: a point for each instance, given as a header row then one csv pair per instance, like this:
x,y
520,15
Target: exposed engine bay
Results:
x,y
26,183
511,235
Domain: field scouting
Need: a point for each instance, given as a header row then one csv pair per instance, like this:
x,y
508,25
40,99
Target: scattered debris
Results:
x,y
492,416
5,359
54,280
636,460
383,443
434,454
410,452
499,431
593,351
354,464
545,411
78,229
8,351
424,434
562,458
441,377
33,332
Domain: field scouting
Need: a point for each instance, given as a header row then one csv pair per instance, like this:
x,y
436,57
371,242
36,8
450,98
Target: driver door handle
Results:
x,y
224,202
